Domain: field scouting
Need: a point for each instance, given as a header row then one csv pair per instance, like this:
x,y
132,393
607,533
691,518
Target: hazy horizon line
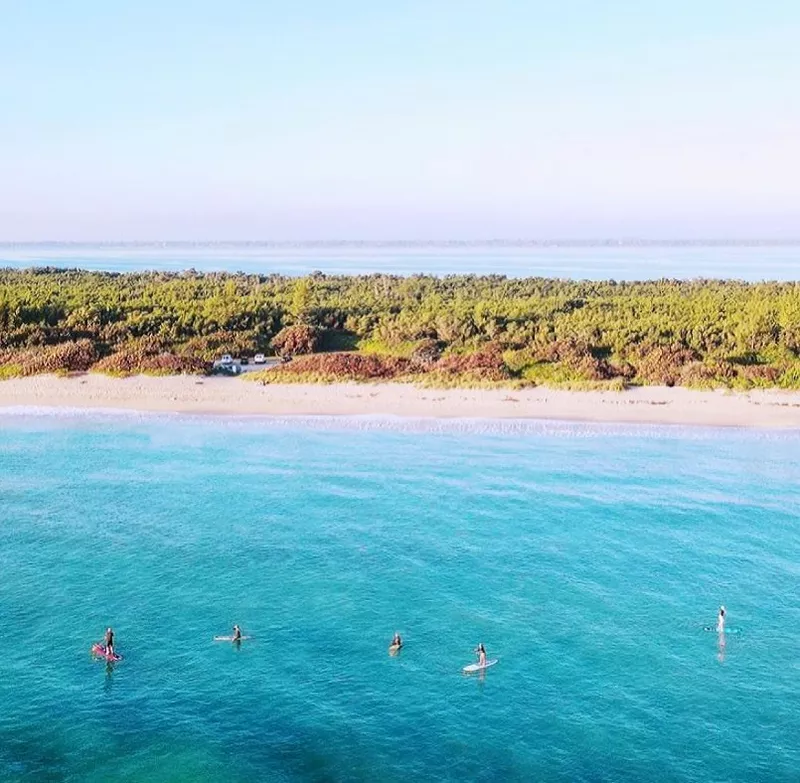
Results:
x,y
332,243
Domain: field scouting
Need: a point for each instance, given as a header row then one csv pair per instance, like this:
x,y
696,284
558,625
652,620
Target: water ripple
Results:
x,y
587,558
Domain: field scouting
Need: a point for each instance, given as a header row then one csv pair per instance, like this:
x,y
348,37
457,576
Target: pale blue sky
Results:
x,y
375,120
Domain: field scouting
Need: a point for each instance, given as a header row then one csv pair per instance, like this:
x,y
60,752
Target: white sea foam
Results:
x,y
394,423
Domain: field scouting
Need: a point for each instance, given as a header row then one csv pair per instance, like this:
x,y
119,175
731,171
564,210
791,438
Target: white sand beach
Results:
x,y
188,394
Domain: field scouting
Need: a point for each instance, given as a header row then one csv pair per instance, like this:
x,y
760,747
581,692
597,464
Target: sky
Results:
x,y
444,119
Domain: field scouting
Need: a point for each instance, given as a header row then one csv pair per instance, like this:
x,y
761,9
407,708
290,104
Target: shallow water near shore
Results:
x,y
586,558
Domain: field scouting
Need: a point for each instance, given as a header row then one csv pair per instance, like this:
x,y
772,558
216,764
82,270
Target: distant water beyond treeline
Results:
x,y
574,259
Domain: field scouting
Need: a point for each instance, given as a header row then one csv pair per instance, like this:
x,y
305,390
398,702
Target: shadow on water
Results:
x,y
109,678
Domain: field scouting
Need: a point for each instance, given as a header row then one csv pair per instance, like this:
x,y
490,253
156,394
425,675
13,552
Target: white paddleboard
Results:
x,y
476,667
228,638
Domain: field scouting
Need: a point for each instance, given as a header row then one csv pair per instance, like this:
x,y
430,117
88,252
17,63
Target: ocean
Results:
x,y
597,262
587,558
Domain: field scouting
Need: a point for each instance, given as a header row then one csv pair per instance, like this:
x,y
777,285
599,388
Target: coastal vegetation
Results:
x,y
453,330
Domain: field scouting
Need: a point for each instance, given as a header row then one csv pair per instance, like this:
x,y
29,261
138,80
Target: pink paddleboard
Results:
x,y
100,651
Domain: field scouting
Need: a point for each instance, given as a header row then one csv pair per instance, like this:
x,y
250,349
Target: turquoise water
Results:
x,y
742,262
587,559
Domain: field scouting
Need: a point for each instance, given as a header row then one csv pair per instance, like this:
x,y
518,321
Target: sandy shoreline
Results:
x,y
186,394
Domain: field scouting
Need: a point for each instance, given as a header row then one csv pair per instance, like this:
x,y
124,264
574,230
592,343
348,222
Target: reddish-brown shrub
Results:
x,y
577,356
761,374
73,356
700,374
128,362
624,370
569,350
486,364
591,368
348,366
296,340
662,364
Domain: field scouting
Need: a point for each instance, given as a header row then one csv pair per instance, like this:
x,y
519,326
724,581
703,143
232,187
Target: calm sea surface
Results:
x,y
586,558
592,263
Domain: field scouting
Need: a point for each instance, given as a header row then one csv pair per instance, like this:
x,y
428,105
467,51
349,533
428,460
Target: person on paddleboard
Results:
x,y
397,641
237,633
721,620
481,652
108,642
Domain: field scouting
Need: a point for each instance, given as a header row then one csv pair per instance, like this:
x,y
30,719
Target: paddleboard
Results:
x,y
393,648
229,638
712,629
476,667
100,651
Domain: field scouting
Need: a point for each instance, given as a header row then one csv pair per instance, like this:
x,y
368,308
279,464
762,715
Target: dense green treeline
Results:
x,y
491,328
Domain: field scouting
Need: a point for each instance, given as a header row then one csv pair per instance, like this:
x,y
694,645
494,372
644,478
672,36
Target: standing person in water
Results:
x,y
481,652
721,620
237,633
108,642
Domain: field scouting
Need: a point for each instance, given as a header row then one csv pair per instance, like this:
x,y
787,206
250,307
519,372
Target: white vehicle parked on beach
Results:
x,y
259,358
